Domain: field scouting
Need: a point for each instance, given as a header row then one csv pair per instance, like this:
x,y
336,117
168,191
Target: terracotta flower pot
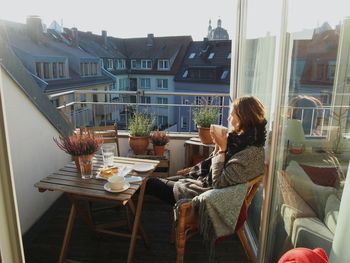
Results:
x,y
158,150
204,135
139,144
76,160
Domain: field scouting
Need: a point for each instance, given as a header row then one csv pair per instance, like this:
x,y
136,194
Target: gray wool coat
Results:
x,y
240,168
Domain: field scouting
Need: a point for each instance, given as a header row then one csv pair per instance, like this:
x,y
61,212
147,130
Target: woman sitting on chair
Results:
x,y
238,157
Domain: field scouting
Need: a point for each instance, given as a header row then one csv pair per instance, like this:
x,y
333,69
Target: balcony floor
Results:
x,y
43,242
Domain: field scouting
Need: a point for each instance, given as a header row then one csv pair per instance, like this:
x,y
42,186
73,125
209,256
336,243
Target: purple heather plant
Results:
x,y
83,143
159,138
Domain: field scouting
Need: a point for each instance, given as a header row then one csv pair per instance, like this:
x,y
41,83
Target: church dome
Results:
x,y
217,33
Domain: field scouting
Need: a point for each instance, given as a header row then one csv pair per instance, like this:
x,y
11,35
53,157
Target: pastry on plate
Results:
x,y
108,172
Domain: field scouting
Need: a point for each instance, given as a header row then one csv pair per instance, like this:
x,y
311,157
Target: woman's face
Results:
x,y
234,120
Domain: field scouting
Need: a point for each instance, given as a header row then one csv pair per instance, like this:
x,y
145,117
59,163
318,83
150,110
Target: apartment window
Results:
x,y
162,120
184,123
145,99
331,70
185,74
123,84
229,56
146,64
198,100
162,83
145,83
192,55
46,70
163,64
120,64
94,69
161,100
61,69
224,74
211,55
110,64
54,70
38,69
135,64
87,69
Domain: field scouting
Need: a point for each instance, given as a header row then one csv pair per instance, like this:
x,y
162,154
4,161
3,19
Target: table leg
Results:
x,y
136,220
68,233
141,229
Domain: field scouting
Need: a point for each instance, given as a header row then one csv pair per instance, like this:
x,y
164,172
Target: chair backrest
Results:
x,y
109,134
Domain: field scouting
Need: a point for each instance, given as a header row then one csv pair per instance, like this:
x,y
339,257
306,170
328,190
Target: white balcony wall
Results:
x,y
33,153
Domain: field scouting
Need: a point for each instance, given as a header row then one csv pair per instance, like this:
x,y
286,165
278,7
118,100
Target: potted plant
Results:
x,y
159,139
140,127
82,143
203,117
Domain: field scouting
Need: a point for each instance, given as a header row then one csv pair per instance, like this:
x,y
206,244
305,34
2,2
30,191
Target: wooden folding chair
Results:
x,y
187,222
109,134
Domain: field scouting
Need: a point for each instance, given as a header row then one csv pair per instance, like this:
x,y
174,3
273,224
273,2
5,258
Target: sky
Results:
x,y
128,18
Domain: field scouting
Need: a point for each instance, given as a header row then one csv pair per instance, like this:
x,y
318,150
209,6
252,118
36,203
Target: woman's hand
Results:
x,y
219,140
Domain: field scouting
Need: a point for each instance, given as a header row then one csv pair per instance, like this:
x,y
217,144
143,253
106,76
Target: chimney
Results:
x,y
75,37
150,38
104,37
34,28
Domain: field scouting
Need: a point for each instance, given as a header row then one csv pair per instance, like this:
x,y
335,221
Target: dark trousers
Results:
x,y
162,188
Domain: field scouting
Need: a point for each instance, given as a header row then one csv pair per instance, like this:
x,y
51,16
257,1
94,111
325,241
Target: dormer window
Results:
x,y
229,56
192,55
120,64
163,64
50,70
146,64
88,68
211,55
109,64
135,64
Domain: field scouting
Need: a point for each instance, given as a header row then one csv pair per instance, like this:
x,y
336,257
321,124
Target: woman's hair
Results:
x,y
250,111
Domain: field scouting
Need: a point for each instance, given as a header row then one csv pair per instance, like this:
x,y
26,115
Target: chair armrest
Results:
x,y
184,171
184,216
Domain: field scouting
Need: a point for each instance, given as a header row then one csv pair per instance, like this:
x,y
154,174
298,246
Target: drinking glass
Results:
x,y
108,155
85,167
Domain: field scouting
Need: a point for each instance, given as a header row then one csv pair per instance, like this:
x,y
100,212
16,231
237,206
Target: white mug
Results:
x,y
116,182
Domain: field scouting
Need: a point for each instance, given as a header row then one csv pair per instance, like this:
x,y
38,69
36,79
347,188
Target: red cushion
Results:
x,y
326,176
304,255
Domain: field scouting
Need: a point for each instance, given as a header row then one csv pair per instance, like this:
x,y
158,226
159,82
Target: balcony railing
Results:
x,y
174,113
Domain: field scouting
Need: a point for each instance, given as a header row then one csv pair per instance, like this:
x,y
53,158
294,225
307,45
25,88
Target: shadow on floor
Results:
x,y
43,242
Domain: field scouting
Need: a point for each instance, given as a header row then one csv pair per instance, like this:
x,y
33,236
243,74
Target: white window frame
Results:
x,y
184,122
133,61
161,82
146,64
163,64
145,99
146,81
120,64
109,64
162,100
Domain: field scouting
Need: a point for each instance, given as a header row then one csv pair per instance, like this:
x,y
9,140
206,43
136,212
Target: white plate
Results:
x,y
123,171
108,188
132,179
143,167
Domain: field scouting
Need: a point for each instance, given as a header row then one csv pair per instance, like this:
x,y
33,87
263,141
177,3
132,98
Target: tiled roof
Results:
x,y
201,51
51,44
15,68
162,48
